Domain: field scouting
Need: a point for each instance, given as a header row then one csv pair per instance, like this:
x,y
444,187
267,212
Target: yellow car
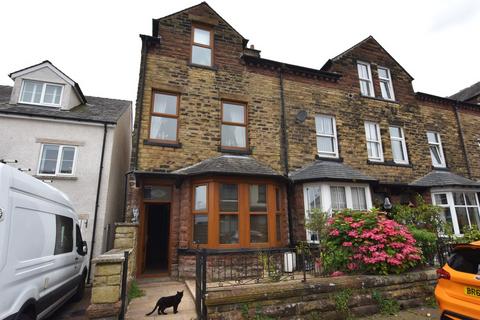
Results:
x,y
458,287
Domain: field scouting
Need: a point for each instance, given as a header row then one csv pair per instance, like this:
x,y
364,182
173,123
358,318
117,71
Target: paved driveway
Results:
x,y
138,307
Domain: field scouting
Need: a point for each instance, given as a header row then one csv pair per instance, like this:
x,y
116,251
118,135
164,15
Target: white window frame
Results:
x,y
389,83
379,141
443,163
44,86
404,145
369,80
451,205
326,198
333,154
59,158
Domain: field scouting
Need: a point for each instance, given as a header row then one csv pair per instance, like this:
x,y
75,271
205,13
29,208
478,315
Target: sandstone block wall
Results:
x,y
315,299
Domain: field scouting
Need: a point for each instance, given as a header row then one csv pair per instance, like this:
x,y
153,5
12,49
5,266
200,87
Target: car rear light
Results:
x,y
443,274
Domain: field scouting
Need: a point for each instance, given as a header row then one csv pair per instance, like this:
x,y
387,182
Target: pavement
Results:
x,y
154,290
74,310
409,314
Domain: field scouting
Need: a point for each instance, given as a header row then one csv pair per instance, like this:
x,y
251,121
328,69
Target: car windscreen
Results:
x,y
465,260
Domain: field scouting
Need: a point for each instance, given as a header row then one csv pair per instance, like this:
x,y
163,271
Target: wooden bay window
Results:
x,y
237,213
200,214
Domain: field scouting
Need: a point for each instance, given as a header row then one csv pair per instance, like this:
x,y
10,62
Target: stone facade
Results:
x,y
275,94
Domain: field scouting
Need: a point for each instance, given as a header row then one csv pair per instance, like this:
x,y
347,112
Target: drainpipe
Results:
x,y
462,139
139,104
100,171
125,190
284,151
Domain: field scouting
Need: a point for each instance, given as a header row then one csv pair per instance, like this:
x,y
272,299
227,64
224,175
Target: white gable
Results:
x,y
46,72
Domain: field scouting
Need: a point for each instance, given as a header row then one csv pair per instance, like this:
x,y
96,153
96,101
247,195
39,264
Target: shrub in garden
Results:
x,y
470,234
422,215
367,241
427,241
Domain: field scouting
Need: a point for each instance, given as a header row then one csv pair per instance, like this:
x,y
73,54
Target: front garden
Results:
x,y
409,237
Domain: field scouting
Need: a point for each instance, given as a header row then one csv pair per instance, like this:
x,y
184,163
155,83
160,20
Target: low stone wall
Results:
x,y
107,285
107,282
318,297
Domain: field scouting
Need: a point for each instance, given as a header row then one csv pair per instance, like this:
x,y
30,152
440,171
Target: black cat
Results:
x,y
167,302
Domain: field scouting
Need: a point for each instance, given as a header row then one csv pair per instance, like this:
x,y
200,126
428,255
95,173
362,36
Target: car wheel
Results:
x,y
80,290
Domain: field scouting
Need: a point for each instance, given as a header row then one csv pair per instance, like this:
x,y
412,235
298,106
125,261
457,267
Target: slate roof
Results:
x,y
329,170
437,178
467,93
229,164
96,109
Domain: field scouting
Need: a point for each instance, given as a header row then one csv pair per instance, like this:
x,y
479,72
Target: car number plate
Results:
x,y
473,292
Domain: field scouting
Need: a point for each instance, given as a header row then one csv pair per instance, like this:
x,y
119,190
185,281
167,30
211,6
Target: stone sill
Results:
x,y
380,99
42,177
161,144
333,159
235,151
440,168
212,68
390,163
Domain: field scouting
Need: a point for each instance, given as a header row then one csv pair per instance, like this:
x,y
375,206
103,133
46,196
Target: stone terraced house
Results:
x,y
232,150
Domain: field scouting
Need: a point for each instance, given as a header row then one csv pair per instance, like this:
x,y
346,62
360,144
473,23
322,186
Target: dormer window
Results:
x,y
365,77
41,93
386,86
202,46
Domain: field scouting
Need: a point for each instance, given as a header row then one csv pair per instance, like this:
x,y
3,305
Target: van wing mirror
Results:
x,y
83,250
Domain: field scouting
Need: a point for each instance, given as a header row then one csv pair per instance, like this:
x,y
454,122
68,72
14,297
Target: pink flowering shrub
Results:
x,y
366,241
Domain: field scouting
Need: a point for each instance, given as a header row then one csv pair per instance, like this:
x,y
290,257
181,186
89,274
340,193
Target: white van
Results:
x,y
42,253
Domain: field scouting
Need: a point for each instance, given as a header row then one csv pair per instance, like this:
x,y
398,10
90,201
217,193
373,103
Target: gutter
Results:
x,y
25,114
97,202
462,139
284,144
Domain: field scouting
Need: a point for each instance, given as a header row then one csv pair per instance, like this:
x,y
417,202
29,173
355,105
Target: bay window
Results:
x,y
459,208
200,214
235,213
229,214
334,196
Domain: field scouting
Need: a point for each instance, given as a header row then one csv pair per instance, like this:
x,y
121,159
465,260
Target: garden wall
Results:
x,y
321,298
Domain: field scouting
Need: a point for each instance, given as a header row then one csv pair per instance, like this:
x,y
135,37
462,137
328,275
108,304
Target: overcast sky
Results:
x,y
96,43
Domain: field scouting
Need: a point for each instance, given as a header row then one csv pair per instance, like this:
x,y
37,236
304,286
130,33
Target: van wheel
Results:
x,y
25,316
81,290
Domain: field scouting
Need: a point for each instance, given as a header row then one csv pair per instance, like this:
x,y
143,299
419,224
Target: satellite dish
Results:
x,y
301,116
